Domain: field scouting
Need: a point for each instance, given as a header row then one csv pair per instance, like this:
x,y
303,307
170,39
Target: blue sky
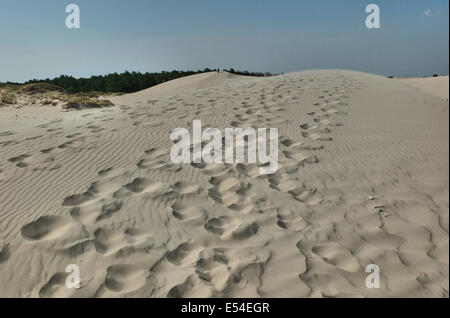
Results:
x,y
256,35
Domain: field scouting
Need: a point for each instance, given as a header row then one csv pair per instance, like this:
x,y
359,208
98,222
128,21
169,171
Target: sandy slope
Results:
x,y
437,86
97,188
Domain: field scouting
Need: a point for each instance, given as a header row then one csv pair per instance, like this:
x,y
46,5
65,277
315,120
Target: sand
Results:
x,y
437,86
362,179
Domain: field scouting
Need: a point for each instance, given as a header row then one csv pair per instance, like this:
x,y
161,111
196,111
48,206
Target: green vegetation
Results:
x,y
8,98
127,82
40,88
247,73
79,102
8,85
50,94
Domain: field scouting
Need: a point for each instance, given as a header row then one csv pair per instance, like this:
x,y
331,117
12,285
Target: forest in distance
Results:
x,y
126,82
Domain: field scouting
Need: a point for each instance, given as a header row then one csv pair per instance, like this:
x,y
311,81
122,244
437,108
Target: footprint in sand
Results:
x,y
46,228
56,287
214,269
187,211
193,286
316,136
282,182
125,278
20,161
301,157
222,226
47,150
108,241
307,195
308,126
245,231
337,255
185,187
185,253
248,170
78,199
225,197
224,182
4,252
144,185
212,169
290,220
110,206
287,142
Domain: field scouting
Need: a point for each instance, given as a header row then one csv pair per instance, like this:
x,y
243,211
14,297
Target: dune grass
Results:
x,y
8,98
40,88
50,94
80,102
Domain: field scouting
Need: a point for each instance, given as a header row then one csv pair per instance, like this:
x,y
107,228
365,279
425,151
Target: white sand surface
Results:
x,y
437,86
363,179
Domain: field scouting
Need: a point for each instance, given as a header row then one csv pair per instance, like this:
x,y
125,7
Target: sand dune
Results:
x,y
362,179
437,86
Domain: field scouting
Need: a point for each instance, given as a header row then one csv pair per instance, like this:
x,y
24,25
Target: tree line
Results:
x,y
126,82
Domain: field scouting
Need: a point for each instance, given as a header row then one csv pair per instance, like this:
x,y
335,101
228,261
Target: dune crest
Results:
x,y
437,86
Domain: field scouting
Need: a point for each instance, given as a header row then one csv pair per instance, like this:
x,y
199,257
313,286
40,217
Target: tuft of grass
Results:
x,y
8,98
8,86
46,101
40,88
95,94
80,102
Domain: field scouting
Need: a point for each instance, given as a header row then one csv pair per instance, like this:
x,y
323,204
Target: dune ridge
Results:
x,y
362,179
437,86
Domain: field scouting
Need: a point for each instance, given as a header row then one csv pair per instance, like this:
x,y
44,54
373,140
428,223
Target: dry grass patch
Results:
x,y
8,98
49,94
40,88
80,102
